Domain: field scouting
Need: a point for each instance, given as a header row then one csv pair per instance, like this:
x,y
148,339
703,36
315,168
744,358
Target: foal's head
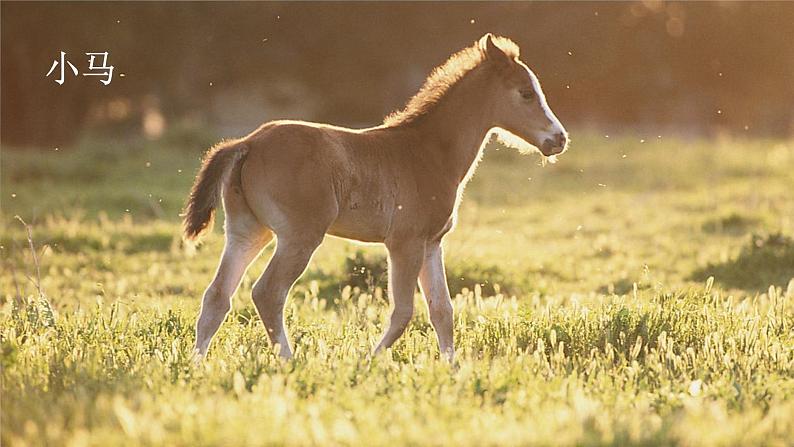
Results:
x,y
519,104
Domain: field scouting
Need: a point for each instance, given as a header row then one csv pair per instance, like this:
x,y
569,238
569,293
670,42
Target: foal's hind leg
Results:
x,y
245,238
270,292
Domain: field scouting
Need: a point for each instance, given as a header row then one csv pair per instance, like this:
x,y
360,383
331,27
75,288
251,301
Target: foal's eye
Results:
x,y
527,94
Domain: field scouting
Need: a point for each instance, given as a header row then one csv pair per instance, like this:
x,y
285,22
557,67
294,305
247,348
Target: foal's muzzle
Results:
x,y
554,145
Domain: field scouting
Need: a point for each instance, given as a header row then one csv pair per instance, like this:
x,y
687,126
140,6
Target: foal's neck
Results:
x,y
457,127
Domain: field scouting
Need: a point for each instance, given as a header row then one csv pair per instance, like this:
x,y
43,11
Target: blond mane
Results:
x,y
444,77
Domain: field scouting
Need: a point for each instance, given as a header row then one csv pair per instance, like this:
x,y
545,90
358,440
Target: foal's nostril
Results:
x,y
561,140
554,145
548,146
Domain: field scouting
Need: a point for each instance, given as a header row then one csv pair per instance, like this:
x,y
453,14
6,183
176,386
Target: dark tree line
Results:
x,y
691,65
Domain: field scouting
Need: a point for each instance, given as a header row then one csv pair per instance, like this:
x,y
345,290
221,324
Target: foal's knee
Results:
x,y
216,301
440,307
268,300
440,312
401,316
264,293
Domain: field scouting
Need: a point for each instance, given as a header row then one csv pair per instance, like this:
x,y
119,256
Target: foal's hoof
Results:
x,y
197,357
284,351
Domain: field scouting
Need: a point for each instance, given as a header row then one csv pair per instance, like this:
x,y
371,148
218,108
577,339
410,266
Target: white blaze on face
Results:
x,y
555,126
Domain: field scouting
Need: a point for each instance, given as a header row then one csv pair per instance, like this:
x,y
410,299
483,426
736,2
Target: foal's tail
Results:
x,y
215,168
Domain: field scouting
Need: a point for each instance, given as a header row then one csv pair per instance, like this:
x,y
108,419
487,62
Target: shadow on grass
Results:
x,y
767,260
126,242
622,286
732,224
368,271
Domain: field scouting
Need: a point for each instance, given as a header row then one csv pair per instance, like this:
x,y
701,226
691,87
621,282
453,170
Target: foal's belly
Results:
x,y
362,218
360,225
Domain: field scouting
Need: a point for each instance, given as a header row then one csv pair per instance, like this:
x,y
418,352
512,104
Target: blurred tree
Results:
x,y
696,66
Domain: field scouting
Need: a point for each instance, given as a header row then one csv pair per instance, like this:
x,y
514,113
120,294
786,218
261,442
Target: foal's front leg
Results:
x,y
405,260
433,280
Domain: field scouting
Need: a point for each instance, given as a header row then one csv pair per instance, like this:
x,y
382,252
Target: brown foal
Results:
x,y
399,184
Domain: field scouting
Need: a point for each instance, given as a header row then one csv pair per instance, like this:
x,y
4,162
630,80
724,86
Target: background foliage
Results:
x,y
695,67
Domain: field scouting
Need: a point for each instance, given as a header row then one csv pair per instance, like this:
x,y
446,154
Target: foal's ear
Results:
x,y
491,50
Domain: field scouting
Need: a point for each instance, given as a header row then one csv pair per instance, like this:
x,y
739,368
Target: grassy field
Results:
x,y
637,292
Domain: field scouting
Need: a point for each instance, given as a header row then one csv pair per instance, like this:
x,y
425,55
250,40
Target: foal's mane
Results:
x,y
444,77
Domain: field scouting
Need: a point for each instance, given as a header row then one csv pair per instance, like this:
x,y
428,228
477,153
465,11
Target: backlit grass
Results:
x,y
633,293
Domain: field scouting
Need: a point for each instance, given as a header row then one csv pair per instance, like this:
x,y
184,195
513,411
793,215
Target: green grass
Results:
x,y
584,310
